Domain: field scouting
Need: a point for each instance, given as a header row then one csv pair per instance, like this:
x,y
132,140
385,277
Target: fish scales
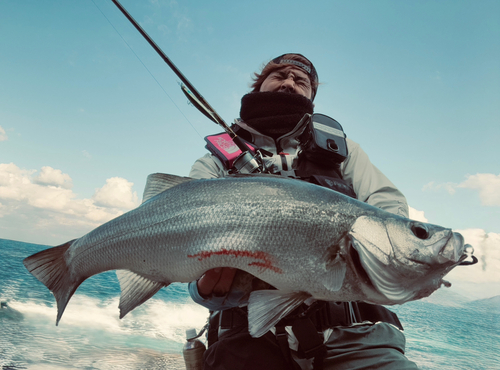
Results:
x,y
213,223
300,238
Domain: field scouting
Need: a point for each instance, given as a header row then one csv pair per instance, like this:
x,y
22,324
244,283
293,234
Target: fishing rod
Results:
x,y
246,162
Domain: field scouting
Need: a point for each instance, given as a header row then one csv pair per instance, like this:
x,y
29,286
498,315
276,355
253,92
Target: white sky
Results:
x,y
83,121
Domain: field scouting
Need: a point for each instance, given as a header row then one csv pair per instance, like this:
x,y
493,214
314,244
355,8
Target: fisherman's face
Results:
x,y
288,79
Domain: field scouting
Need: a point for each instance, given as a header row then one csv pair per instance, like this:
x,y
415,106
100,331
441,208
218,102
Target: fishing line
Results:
x,y
147,69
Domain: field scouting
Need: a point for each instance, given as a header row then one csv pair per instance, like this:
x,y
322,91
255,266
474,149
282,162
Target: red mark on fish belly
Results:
x,y
263,258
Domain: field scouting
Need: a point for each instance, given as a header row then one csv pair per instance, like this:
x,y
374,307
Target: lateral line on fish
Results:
x,y
120,235
265,257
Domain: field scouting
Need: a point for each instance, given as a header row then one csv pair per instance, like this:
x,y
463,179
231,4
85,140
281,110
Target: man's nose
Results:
x,y
288,85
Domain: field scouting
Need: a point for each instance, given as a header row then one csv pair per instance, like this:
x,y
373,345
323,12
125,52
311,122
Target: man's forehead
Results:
x,y
297,70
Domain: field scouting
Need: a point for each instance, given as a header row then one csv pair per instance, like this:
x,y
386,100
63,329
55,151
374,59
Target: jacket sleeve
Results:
x,y
370,185
207,167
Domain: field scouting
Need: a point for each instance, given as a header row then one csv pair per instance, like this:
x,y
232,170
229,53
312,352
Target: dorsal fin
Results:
x,y
159,182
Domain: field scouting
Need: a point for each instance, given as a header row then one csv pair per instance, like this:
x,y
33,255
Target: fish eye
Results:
x,y
420,231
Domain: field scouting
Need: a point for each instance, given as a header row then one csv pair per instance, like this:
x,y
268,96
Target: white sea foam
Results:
x,y
91,335
155,318
170,320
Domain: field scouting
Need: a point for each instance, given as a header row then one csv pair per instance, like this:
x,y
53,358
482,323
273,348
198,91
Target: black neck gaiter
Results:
x,y
274,113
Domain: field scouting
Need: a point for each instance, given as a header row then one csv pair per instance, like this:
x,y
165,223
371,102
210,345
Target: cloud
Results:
x,y
184,23
488,185
116,194
448,186
41,207
3,135
171,17
417,215
164,29
49,176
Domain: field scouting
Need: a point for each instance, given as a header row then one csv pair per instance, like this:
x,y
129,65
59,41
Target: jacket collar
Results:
x,y
287,143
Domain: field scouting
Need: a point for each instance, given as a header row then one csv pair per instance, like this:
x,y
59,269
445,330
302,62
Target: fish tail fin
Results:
x,y
50,267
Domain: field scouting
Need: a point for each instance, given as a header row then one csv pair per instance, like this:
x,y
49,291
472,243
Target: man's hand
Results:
x,y
216,282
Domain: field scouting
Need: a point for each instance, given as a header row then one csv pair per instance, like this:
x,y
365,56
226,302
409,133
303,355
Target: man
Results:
x,y
356,335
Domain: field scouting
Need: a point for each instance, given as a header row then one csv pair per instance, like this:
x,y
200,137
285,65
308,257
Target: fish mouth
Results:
x,y
448,250
453,250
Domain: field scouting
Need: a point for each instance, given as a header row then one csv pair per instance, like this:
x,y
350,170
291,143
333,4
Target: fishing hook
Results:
x,y
469,250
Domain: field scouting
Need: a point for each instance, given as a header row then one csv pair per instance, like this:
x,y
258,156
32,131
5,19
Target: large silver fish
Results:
x,y
305,240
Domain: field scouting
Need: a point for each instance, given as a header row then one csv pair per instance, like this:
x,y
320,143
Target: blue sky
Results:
x,y
84,119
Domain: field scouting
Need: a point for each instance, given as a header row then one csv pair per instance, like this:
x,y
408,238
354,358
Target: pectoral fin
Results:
x,y
136,290
267,307
335,265
333,278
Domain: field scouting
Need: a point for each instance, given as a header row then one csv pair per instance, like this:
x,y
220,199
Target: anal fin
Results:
x,y
136,290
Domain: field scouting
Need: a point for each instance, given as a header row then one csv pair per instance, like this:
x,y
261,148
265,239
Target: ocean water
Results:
x,y
455,334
